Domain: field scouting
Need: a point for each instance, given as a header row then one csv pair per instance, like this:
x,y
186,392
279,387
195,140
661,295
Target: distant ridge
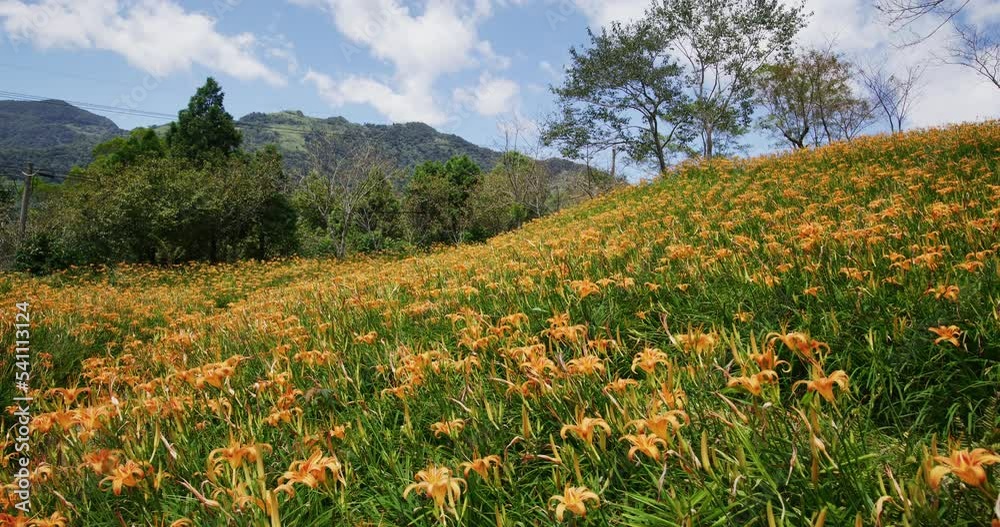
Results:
x,y
59,136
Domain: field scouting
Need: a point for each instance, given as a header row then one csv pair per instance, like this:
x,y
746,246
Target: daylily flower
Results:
x,y
126,475
664,426
647,444
311,472
586,365
438,484
754,384
968,466
585,428
449,428
946,334
480,465
648,359
573,499
823,385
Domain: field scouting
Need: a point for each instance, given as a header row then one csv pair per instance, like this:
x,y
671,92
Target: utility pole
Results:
x,y
29,177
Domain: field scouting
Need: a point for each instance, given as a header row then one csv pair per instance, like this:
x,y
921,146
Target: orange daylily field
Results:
x,y
803,339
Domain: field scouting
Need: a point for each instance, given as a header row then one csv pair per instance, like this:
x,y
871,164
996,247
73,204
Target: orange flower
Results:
x,y
968,466
696,341
947,292
586,365
480,465
55,520
754,384
311,472
585,428
619,385
573,499
367,338
101,462
800,343
647,444
584,288
126,475
438,484
663,426
648,359
449,428
946,334
823,385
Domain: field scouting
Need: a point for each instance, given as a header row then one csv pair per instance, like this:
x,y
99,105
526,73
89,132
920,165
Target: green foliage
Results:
x,y
725,43
140,201
624,91
205,130
810,94
141,144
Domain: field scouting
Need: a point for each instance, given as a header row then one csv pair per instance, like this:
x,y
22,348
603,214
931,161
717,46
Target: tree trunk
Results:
x,y
614,162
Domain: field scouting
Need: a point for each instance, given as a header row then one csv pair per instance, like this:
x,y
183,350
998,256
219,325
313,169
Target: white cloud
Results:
x,y
601,13
157,36
492,97
421,46
413,103
949,93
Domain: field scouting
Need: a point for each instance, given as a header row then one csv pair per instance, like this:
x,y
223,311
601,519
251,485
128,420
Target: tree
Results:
x,y
724,44
337,185
624,91
976,49
969,45
379,216
141,144
894,94
811,93
204,131
438,199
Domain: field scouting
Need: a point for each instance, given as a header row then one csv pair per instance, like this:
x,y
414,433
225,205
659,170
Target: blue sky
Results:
x,y
459,65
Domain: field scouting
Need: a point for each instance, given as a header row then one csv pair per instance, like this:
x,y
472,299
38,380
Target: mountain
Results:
x,y
52,134
409,143
57,136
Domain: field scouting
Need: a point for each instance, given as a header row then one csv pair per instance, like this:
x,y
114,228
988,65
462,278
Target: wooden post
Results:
x,y
22,224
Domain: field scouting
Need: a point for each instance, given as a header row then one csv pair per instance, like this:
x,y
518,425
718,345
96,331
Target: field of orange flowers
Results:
x,y
809,339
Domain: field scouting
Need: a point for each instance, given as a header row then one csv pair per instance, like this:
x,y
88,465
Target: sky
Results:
x,y
462,66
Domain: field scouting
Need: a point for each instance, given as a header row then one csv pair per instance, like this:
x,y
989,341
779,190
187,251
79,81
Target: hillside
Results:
x,y
58,136
806,339
53,134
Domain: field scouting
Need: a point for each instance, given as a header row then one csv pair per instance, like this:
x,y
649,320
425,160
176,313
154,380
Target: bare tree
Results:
x,y
894,94
527,182
976,49
970,46
904,13
339,183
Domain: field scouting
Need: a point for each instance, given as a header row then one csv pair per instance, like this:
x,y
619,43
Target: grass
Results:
x,y
766,342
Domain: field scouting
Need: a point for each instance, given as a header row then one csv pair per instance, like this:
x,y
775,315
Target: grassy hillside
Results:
x,y
794,340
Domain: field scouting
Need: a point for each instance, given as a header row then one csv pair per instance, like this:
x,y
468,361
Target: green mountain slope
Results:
x,y
52,134
57,136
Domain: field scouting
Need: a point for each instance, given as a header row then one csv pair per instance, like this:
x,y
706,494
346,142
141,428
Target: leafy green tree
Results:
x,y
339,185
437,199
811,94
141,144
205,131
379,216
724,43
622,92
